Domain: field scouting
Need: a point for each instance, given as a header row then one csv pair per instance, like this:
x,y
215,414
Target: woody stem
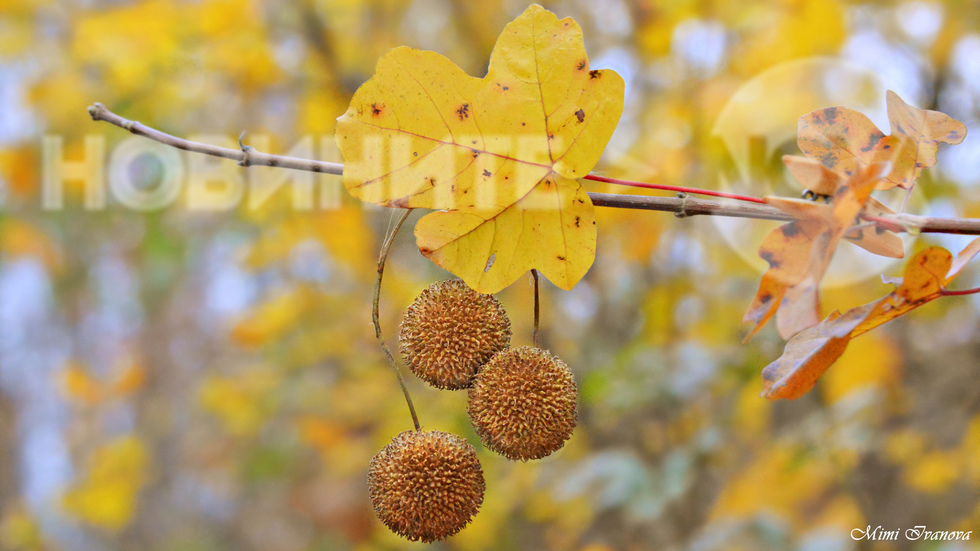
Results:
x,y
382,258
742,207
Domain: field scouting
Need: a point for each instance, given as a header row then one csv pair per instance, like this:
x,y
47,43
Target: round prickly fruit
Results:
x,y
426,485
523,403
450,331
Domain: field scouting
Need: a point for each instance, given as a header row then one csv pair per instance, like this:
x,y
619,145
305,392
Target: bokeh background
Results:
x,y
194,380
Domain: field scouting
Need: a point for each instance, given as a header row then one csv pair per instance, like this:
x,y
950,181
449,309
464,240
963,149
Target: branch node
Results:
x,y
96,110
246,149
682,213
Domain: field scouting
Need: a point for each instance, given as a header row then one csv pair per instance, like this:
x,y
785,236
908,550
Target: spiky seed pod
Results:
x,y
450,331
523,403
426,485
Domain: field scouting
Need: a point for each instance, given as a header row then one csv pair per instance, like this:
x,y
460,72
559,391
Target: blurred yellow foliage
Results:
x,y
970,451
137,44
902,447
242,403
19,169
785,481
19,531
82,386
321,433
752,414
934,472
843,513
106,495
788,29
873,361
344,233
270,320
19,238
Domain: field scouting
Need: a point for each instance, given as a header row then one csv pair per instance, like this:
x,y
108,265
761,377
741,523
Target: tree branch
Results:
x,y
681,206
246,156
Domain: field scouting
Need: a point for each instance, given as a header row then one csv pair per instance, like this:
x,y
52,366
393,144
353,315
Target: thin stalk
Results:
x,y
537,310
679,189
382,258
964,292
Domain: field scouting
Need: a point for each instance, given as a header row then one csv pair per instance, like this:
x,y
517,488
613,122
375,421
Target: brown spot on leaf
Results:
x,y
767,256
580,114
486,173
595,74
463,112
377,108
581,65
578,220
560,257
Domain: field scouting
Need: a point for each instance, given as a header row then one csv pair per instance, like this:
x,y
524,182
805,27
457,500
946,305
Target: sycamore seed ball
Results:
x,y
450,331
426,485
523,403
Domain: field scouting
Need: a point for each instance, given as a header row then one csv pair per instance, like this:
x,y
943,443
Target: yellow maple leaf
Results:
x,y
499,154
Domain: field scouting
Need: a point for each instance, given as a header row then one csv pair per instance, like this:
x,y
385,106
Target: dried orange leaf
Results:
x,y
823,181
845,140
965,256
810,353
919,133
813,175
500,153
842,139
924,278
799,253
787,250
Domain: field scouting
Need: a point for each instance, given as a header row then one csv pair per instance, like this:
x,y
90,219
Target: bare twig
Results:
x,y
246,156
382,258
687,206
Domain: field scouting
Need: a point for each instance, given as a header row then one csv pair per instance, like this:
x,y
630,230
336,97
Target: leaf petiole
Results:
x,y
681,189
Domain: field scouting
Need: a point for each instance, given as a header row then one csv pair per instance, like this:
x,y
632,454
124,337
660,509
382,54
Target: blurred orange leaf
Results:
x,y
81,386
